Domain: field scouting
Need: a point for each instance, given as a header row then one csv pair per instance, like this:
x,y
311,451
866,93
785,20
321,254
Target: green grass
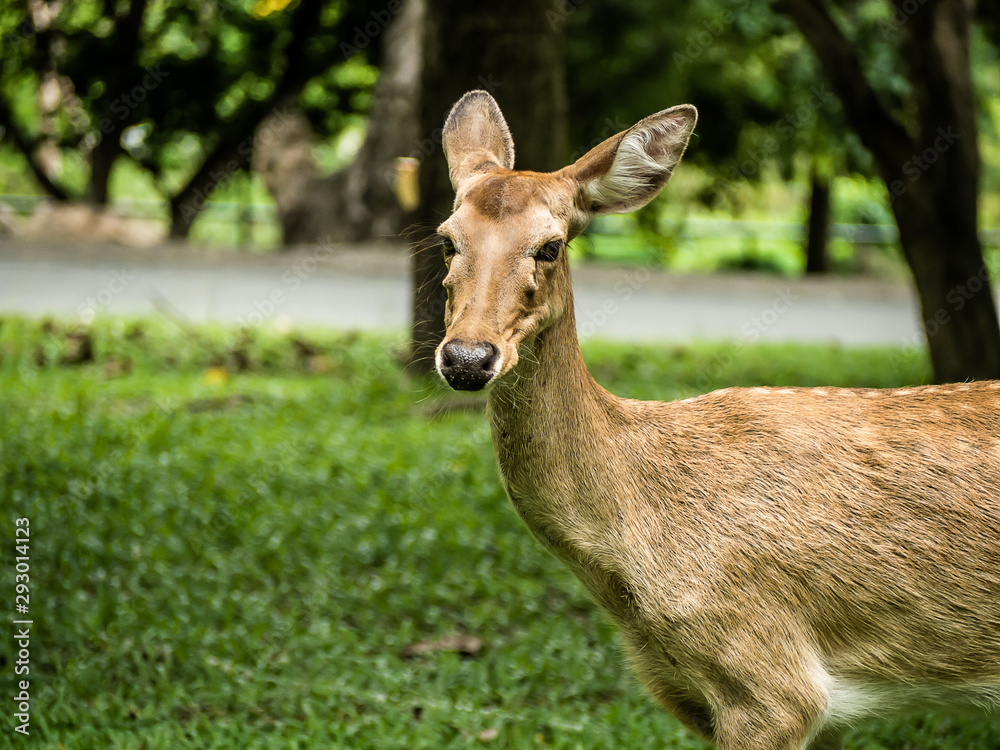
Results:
x,y
233,538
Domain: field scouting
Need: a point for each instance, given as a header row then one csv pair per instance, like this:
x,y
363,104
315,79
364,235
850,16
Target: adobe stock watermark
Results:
x,y
901,13
220,178
611,127
915,167
37,19
22,622
563,10
365,35
26,30
123,105
426,147
956,298
267,307
88,309
752,330
591,321
786,128
100,473
697,42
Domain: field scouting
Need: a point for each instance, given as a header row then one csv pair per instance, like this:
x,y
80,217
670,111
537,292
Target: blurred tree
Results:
x,y
359,201
763,104
178,86
818,225
512,50
768,101
925,146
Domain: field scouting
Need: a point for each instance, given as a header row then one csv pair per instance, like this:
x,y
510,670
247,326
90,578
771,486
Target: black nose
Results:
x,y
468,366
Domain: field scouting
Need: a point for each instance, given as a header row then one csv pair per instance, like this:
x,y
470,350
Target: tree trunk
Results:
x,y
358,202
512,50
236,139
818,226
23,143
371,205
122,76
937,212
283,157
955,296
102,159
932,173
225,161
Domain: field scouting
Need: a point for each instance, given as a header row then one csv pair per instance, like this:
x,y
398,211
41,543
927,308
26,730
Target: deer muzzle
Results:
x,y
468,365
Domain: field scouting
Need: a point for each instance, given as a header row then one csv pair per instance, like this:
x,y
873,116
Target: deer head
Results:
x,y
505,242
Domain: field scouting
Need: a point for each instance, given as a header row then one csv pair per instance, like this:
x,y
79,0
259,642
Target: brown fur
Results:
x,y
768,553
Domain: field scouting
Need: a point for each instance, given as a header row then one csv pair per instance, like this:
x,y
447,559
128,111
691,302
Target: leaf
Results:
x,y
467,645
216,375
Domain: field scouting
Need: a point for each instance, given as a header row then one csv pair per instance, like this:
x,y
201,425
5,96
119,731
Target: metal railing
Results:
x,y
690,229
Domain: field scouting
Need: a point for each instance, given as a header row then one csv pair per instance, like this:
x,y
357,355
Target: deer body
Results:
x,y
781,562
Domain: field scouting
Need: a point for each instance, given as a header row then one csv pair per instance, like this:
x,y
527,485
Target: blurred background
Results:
x,y
842,139
258,520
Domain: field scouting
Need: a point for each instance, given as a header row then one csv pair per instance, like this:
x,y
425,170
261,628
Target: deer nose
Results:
x,y
468,366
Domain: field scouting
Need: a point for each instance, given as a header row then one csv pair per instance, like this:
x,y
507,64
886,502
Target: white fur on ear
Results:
x,y
476,135
644,160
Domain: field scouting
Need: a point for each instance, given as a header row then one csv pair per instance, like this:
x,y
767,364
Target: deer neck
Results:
x,y
549,418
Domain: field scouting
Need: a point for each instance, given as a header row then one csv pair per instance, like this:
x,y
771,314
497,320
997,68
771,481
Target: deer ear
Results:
x,y
476,137
626,171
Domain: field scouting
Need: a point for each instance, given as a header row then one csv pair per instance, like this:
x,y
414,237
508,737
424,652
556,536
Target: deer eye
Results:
x,y
549,251
448,248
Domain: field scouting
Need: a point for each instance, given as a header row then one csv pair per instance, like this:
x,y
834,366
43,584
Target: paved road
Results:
x,y
366,288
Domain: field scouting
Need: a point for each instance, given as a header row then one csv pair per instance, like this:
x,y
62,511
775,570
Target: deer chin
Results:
x,y
523,337
509,357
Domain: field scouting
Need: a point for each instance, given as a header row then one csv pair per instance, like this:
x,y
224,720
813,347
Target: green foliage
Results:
x,y
748,70
766,113
168,82
237,557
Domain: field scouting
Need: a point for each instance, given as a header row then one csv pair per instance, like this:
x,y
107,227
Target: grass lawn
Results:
x,y
234,541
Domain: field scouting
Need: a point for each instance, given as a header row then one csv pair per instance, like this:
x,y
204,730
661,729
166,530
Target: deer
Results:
x,y
781,563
